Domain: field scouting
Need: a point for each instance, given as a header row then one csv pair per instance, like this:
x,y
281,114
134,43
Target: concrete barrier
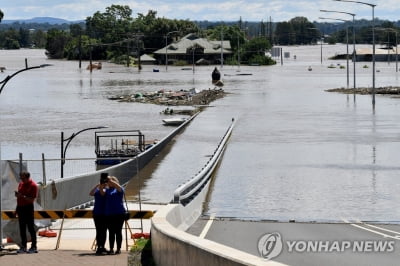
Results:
x,y
173,247
70,192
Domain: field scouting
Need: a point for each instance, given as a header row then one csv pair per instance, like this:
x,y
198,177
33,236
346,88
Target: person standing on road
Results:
x,y
26,195
115,211
99,218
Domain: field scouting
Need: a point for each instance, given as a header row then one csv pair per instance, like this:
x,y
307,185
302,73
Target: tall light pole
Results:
x,y
166,48
69,139
222,48
373,44
395,32
321,40
347,45
354,47
397,54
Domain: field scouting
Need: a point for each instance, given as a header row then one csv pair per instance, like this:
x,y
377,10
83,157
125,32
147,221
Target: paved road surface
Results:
x,y
339,243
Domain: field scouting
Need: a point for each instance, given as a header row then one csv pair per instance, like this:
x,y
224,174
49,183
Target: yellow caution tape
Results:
x,y
60,214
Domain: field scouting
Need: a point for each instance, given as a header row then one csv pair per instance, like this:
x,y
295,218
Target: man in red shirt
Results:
x,y
26,195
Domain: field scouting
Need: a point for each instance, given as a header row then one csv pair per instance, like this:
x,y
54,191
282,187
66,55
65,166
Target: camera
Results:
x,y
103,178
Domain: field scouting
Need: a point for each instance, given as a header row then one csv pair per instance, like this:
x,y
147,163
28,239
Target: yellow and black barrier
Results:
x,y
75,214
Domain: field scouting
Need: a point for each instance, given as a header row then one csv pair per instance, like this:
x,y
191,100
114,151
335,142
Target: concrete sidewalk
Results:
x,y
75,245
62,257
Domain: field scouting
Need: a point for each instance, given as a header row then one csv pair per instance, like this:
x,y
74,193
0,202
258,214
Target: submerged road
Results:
x,y
307,243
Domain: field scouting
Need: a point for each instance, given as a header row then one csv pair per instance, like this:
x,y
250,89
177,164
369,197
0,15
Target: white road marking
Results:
x,y
383,229
372,231
207,227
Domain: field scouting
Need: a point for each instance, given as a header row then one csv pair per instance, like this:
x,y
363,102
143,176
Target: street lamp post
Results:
x,y
395,32
193,50
166,48
69,139
321,40
373,44
354,47
4,82
238,43
7,79
347,45
397,59
397,54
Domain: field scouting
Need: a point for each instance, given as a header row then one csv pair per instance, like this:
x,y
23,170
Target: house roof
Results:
x,y
146,57
191,40
378,51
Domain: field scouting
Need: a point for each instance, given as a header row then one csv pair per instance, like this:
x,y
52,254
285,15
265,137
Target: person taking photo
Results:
x,y
26,195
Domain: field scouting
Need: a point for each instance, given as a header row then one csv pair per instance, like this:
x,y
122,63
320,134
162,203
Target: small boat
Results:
x,y
94,66
173,121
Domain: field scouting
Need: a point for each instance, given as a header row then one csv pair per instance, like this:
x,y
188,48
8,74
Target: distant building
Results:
x,y
365,54
147,60
194,49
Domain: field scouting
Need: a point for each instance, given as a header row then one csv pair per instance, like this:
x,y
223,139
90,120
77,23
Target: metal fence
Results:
x,y
50,169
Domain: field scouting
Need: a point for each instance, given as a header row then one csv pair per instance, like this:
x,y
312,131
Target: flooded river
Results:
x,y
297,152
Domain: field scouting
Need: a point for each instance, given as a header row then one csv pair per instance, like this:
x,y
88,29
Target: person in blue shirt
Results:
x,y
114,211
99,217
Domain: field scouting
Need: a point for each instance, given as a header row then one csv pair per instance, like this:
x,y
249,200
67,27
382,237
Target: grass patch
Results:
x,y
141,253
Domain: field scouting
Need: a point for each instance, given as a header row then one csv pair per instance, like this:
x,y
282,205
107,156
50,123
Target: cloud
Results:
x,y
249,10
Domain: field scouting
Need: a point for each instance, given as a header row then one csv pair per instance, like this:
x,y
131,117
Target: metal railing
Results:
x,y
43,170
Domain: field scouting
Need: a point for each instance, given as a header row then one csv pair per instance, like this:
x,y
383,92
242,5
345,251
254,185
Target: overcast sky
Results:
x,y
216,10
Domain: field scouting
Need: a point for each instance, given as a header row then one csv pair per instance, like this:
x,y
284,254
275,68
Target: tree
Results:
x,y
301,27
38,38
9,39
233,33
56,42
1,15
284,33
24,38
155,29
297,31
253,51
111,29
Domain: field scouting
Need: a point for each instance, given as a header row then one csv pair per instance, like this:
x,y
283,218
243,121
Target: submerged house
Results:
x,y
381,54
192,49
147,60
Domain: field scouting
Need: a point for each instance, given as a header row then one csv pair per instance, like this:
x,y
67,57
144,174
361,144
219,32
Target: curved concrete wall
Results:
x,y
172,246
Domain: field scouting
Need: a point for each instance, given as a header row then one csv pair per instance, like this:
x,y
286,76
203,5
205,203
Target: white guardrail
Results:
x,y
185,192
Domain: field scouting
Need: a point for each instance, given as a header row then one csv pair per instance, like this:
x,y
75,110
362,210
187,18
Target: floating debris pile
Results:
x,y
363,90
181,97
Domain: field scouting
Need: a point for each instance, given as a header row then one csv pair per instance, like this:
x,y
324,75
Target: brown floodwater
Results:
x,y
297,152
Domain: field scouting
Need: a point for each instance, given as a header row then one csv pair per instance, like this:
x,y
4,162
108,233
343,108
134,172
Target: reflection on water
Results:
x,y
297,152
